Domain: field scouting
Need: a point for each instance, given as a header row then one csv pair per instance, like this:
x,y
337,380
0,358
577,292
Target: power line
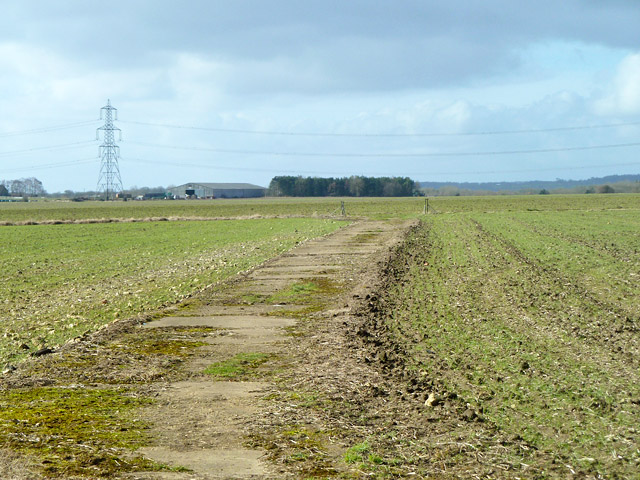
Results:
x,y
324,134
66,163
84,161
200,165
529,170
50,147
315,172
47,129
403,135
391,155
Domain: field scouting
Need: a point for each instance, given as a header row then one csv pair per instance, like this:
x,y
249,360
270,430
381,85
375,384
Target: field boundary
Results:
x,y
88,221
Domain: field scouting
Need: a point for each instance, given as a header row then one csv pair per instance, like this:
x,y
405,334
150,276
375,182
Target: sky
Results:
x,y
244,90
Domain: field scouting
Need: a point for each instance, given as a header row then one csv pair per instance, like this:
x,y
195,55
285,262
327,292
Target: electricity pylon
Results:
x,y
109,180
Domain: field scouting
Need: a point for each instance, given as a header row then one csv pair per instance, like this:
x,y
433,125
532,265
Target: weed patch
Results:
x,y
300,447
238,367
310,293
357,453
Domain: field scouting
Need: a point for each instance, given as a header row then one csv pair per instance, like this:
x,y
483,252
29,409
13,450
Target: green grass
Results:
x,y
237,367
63,280
71,211
311,293
363,458
370,207
358,453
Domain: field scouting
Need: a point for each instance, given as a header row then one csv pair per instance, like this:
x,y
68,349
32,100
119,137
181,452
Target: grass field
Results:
x,y
63,280
60,281
49,211
530,320
519,316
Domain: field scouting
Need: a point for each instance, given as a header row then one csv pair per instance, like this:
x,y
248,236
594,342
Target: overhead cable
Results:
x,y
389,155
49,147
404,135
66,163
315,172
47,129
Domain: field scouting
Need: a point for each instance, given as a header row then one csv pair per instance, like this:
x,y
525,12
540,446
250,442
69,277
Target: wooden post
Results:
x,y
342,208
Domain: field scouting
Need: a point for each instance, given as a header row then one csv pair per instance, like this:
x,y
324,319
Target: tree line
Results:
x,y
354,186
23,187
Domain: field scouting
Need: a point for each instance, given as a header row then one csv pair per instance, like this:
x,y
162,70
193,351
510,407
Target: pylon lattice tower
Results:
x,y
109,180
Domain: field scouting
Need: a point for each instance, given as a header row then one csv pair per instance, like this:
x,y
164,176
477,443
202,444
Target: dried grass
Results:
x,y
15,467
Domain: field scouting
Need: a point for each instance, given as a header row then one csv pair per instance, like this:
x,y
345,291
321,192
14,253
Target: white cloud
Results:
x,y
25,72
195,80
424,66
623,97
28,61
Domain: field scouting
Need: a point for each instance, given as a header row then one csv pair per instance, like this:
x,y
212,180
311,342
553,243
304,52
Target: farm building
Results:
x,y
218,190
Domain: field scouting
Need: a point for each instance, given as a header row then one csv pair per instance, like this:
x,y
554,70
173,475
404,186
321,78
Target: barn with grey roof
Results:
x,y
218,190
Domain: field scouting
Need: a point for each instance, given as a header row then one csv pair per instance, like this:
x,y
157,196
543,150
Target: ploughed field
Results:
x,y
525,326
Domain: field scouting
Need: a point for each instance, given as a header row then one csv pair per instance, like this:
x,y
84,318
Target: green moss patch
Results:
x,y
130,358
365,237
311,292
237,367
75,431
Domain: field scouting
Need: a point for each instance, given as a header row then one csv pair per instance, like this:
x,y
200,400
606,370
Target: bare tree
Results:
x,y
31,187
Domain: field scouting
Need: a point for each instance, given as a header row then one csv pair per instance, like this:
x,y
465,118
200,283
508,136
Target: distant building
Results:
x,y
156,196
217,190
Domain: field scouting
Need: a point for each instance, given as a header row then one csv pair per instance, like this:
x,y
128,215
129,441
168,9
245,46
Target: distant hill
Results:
x,y
532,184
